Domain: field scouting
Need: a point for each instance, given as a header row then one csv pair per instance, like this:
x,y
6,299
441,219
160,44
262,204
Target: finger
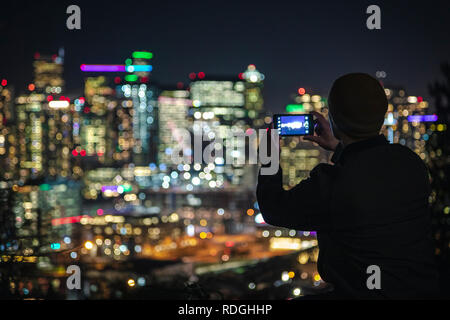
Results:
x,y
323,122
315,139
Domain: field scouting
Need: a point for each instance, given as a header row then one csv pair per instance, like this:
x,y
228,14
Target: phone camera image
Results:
x,y
294,125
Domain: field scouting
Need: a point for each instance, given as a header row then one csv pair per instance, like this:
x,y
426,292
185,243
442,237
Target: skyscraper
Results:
x,y
173,107
224,108
407,120
143,95
8,140
298,158
97,133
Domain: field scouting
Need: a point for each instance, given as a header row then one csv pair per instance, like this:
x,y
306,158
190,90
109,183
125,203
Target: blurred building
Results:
x,y
254,100
59,201
97,136
173,107
48,73
141,99
144,97
298,158
30,135
8,140
224,109
26,211
59,137
408,120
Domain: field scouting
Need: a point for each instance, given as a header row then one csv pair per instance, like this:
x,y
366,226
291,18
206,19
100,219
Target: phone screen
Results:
x,y
294,125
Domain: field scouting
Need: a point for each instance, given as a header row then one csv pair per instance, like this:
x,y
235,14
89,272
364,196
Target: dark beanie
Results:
x,y
358,104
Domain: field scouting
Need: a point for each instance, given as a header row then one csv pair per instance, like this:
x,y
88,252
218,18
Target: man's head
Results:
x,y
357,104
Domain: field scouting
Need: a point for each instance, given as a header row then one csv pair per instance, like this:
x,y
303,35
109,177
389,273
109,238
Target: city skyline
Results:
x,y
132,151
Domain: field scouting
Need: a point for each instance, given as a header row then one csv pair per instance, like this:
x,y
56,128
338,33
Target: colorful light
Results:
x,y
201,75
294,107
58,104
4,82
67,220
88,245
301,91
142,55
31,87
131,77
55,246
110,188
423,118
102,68
139,68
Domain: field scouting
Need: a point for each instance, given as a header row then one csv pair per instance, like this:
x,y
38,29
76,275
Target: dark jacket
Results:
x,y
369,208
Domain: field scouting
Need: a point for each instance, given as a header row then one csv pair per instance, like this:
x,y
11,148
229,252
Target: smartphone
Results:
x,y
294,124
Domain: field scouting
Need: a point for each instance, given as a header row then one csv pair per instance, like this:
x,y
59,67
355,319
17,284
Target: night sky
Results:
x,y
295,44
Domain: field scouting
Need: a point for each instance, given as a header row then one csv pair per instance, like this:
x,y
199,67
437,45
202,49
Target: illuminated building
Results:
x,y
124,124
173,106
96,137
144,103
298,158
30,135
254,100
27,216
59,140
60,199
8,140
140,98
57,126
221,109
129,114
7,217
407,121
43,121
48,71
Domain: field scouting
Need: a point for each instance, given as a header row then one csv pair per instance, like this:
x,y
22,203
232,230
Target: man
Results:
x,y
369,209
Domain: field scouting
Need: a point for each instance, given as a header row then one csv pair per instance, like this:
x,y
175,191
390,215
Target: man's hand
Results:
x,y
324,136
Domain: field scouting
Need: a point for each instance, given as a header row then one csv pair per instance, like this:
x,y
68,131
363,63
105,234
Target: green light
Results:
x,y
142,55
127,187
128,62
45,187
131,77
294,107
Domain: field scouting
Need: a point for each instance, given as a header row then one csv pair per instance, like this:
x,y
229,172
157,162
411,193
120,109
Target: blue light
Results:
x,y
139,68
423,118
55,246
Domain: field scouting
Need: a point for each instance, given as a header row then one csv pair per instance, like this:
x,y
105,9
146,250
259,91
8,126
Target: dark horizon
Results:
x,y
294,45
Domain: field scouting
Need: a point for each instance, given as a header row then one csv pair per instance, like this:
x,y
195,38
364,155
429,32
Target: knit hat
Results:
x,y
358,104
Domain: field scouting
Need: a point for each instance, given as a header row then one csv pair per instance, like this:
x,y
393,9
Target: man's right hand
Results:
x,y
324,136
